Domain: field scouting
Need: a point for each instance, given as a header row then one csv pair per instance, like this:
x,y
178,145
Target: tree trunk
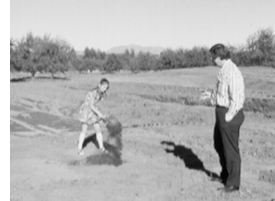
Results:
x,y
33,74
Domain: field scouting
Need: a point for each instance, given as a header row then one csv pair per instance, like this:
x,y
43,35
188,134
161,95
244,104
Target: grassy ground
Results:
x,y
166,146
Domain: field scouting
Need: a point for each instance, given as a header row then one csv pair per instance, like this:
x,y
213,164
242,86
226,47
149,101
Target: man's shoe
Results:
x,y
229,189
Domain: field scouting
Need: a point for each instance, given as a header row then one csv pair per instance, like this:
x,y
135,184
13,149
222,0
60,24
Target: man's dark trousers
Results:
x,y
226,143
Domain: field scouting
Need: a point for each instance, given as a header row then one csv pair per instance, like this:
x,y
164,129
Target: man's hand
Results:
x,y
205,95
228,117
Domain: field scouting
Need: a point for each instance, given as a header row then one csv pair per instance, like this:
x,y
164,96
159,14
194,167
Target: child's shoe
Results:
x,y
103,150
80,152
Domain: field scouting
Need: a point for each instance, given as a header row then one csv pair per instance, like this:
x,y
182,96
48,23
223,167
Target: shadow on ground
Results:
x,y
111,157
89,139
21,79
113,145
190,159
28,78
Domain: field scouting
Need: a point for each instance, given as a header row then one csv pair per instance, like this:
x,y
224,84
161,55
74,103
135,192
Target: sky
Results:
x,y
103,24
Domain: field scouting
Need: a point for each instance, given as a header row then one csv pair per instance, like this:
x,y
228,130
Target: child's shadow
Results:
x,y
190,159
111,148
112,157
90,138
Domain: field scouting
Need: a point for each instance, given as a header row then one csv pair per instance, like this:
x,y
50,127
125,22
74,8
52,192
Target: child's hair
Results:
x,y
219,50
104,80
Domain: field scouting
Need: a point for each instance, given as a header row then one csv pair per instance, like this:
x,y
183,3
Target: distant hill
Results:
x,y
136,48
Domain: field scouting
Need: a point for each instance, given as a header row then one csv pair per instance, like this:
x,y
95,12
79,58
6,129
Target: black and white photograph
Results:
x,y
139,100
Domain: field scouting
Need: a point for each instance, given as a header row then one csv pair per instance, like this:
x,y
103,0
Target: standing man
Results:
x,y
228,96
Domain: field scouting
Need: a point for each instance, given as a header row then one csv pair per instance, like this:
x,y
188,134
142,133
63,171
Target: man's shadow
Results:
x,y
190,159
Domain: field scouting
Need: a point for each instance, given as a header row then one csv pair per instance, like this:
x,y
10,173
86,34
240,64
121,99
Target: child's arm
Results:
x,y
93,108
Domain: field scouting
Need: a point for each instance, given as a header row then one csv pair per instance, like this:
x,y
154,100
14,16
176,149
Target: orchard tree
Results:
x,y
13,57
25,54
100,55
168,59
145,61
261,46
196,57
55,56
89,53
112,64
86,64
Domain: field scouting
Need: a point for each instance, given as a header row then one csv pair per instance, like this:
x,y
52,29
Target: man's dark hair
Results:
x,y
219,50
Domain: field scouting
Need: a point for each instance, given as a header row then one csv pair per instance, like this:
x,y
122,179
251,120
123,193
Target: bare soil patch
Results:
x,y
160,148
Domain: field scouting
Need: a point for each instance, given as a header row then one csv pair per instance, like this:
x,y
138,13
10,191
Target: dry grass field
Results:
x,y
165,150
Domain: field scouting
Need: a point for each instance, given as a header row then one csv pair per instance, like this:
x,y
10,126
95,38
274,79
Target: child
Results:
x,y
90,115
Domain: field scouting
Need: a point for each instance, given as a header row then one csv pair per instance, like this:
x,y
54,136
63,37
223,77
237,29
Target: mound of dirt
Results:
x,y
113,145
